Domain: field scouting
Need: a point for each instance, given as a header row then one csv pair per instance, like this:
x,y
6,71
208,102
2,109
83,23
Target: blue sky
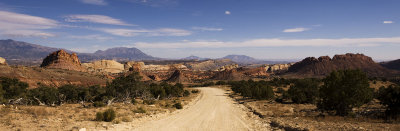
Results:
x,y
264,29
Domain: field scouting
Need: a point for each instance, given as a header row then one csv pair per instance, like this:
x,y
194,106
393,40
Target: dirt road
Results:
x,y
213,111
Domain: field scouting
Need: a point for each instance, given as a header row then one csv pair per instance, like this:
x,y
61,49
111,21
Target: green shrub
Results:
x,y
344,90
13,88
139,110
47,95
178,105
390,97
258,90
99,104
186,93
304,91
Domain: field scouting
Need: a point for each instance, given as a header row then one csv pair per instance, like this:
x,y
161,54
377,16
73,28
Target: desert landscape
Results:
x,y
173,65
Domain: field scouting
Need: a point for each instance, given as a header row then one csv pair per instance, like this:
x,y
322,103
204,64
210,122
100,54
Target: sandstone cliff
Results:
x,y
109,66
62,60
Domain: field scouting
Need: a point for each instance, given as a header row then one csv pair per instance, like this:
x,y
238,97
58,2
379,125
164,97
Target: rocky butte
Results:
x,y
62,60
324,65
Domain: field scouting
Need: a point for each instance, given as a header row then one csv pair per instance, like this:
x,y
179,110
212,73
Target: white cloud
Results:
x,y
295,30
94,2
227,12
22,25
145,32
343,42
102,19
387,22
207,29
92,37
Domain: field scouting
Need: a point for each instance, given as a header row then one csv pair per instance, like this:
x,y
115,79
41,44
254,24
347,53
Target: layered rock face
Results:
x,y
3,61
62,60
110,66
324,65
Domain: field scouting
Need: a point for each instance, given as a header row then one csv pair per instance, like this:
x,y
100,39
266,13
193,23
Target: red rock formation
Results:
x,y
178,76
62,60
324,65
229,75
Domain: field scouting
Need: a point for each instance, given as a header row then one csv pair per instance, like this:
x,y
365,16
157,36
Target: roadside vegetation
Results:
x,y
336,94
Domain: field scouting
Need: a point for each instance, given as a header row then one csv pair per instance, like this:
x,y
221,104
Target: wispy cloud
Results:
x,y
23,25
227,12
207,29
145,32
91,37
301,29
387,22
102,19
156,3
343,42
94,2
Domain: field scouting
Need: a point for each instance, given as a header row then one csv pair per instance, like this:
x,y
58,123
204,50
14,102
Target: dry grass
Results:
x,y
40,111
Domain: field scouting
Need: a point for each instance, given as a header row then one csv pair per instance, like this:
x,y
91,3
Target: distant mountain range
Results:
x,y
247,60
23,53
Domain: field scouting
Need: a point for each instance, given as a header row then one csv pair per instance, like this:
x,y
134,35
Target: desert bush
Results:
x,y
99,116
126,87
139,110
220,83
344,90
99,104
178,105
208,84
157,91
390,97
195,91
252,89
107,116
13,88
304,91
46,95
149,102
133,101
126,119
186,93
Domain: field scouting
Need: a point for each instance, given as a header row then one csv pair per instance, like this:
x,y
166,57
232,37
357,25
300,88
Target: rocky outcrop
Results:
x,y
3,61
109,66
228,67
277,67
209,64
62,60
255,72
229,75
133,65
178,76
324,65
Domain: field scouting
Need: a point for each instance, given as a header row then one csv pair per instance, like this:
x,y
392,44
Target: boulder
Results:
x,y
62,60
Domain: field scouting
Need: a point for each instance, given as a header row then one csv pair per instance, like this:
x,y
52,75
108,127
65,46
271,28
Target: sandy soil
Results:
x,y
213,111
